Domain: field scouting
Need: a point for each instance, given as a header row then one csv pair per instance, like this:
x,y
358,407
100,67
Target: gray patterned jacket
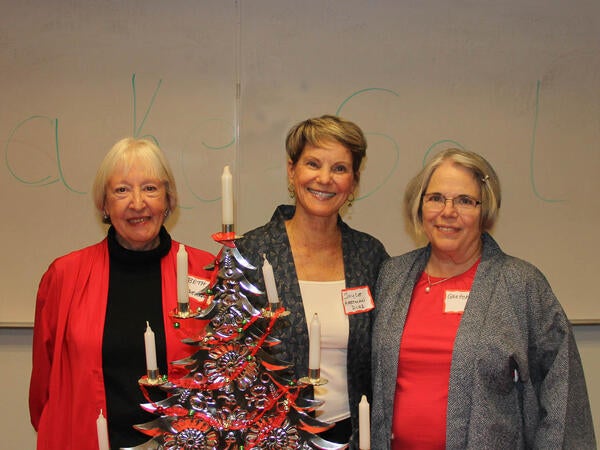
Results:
x,y
363,255
512,321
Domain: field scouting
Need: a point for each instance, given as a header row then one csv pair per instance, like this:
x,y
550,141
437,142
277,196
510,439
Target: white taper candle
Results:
x,y
150,348
227,196
364,424
183,295
269,278
102,430
314,350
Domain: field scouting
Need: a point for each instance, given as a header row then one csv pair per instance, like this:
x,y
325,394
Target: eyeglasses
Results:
x,y
436,202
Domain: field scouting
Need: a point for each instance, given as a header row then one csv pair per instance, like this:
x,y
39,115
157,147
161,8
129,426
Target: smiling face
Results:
x,y
453,235
322,179
136,204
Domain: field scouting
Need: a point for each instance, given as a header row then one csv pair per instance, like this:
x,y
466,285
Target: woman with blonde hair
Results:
x,y
316,257
93,306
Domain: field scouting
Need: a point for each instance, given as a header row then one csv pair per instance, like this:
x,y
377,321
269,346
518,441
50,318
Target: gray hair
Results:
x,y
483,173
123,155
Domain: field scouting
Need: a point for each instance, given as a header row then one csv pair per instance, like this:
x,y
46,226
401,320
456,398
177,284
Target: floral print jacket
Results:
x,y
363,255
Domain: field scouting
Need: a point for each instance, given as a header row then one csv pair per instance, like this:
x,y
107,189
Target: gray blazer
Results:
x,y
512,321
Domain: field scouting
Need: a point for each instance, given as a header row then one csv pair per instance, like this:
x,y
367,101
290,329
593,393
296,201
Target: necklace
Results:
x,y
429,283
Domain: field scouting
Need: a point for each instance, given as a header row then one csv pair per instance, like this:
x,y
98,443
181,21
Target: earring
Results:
x,y
350,200
105,216
166,213
291,190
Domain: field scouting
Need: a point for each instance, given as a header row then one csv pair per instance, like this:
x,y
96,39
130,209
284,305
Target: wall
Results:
x,y
220,82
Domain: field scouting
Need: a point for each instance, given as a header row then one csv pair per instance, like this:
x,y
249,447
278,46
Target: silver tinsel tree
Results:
x,y
236,393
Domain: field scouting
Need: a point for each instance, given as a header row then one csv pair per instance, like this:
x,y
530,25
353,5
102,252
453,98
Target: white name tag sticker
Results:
x,y
197,287
455,301
357,300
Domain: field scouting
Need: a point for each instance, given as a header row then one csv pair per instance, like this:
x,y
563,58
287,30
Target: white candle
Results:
x,y
269,277
314,350
227,196
183,295
102,431
364,424
150,348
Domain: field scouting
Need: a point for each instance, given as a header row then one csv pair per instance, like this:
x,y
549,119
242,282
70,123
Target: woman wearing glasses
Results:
x,y
471,349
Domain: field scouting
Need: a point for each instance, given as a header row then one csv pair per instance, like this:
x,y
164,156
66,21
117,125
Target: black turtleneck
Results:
x,y
134,297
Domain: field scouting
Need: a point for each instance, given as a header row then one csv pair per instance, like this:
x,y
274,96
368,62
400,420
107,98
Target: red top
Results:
x,y
67,389
421,396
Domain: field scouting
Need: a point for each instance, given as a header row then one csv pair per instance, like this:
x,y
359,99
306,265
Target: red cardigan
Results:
x,y
66,392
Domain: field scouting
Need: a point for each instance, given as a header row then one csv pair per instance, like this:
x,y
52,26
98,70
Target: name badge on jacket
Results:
x,y
357,300
455,301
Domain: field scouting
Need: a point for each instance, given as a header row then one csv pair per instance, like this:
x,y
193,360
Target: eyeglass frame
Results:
x,y
453,199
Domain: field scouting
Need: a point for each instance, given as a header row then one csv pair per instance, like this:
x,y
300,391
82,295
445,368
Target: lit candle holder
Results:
x,y
270,285
151,366
314,354
364,423
227,200
314,349
183,295
102,430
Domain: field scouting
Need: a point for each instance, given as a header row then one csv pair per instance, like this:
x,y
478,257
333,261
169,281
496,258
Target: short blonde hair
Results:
x,y
123,155
483,173
319,130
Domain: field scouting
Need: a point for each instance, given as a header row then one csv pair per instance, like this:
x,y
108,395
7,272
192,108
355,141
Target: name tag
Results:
x,y
455,301
357,300
197,287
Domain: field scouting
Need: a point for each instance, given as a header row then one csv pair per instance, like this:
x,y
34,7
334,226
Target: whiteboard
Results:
x,y
220,82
